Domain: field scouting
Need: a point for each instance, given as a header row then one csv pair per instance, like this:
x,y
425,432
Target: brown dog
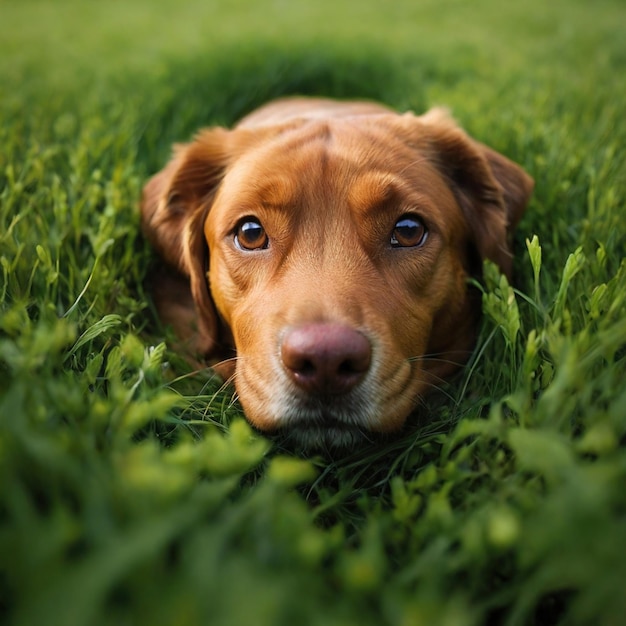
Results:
x,y
329,245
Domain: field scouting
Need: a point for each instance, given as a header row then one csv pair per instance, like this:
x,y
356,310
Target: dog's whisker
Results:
x,y
229,381
231,359
234,399
437,358
412,164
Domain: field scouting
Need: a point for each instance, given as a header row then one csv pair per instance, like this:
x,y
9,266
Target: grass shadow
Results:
x,y
220,90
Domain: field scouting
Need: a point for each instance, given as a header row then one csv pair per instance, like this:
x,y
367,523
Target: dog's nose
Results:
x,y
326,358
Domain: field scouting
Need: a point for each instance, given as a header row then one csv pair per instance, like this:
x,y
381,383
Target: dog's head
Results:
x,y
334,255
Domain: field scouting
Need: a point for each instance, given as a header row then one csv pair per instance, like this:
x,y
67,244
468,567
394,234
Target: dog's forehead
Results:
x,y
363,160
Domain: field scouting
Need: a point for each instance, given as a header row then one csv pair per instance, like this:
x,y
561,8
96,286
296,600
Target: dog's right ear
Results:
x,y
173,210
172,197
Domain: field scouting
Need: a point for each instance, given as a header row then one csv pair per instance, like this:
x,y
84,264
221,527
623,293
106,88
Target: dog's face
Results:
x,y
339,251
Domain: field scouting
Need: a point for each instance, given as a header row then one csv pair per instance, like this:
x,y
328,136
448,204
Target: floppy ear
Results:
x,y
173,211
491,190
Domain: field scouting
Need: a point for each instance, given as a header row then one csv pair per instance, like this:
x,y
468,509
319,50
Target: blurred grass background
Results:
x,y
131,490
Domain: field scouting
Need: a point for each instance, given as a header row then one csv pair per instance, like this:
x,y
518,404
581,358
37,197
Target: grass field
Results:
x,y
131,489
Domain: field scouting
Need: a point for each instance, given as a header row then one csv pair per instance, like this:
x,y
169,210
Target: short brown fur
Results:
x,y
328,182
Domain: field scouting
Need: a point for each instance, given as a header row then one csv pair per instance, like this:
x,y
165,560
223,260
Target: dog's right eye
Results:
x,y
250,235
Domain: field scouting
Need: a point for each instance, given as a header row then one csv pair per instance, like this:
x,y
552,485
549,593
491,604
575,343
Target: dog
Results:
x,y
328,247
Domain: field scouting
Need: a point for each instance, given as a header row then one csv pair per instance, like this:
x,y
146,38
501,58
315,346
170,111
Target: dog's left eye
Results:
x,y
408,232
250,235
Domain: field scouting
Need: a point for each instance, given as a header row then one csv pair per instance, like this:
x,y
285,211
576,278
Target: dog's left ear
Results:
x,y
492,190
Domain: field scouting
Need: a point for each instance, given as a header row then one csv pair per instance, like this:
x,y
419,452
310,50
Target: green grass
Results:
x,y
131,489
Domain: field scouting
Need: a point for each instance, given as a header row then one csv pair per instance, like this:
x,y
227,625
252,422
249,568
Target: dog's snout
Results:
x,y
326,358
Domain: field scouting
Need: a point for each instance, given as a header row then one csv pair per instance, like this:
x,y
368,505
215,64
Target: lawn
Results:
x,y
132,491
